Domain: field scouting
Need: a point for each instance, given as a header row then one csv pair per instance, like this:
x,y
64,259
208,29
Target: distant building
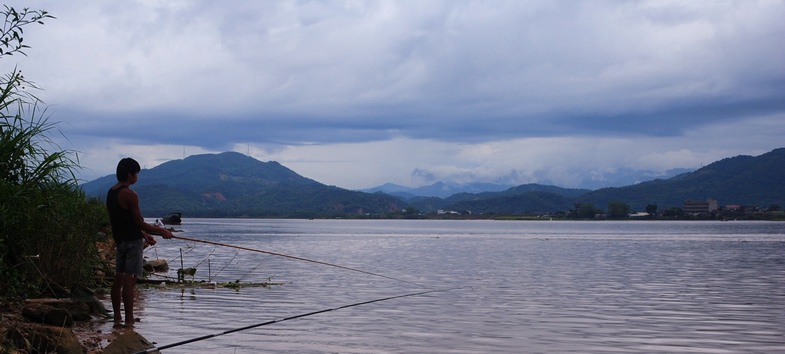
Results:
x,y
697,207
444,212
732,207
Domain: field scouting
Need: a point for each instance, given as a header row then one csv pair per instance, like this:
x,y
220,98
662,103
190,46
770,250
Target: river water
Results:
x,y
516,287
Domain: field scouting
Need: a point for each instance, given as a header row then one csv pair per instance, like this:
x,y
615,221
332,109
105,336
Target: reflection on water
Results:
x,y
628,287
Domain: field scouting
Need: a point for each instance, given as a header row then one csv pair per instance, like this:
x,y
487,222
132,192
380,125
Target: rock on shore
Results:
x,y
128,342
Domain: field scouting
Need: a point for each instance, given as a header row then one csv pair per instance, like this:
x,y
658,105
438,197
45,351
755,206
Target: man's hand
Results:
x,y
149,239
167,234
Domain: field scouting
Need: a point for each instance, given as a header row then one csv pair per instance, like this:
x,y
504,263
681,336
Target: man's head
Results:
x,y
126,168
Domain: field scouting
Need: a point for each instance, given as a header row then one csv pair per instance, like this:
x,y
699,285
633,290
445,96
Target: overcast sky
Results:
x,y
359,93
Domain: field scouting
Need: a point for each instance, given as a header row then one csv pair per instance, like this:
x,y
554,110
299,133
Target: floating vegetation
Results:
x,y
204,284
157,275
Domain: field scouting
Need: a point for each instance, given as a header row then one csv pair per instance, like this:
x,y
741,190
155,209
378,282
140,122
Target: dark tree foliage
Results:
x,y
588,211
618,209
673,212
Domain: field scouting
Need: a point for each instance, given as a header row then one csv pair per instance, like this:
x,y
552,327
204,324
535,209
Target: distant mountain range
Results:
x,y
621,177
744,180
234,185
438,189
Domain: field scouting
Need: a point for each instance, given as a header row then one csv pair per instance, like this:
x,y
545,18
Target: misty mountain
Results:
x,y
618,178
743,180
626,177
438,189
231,184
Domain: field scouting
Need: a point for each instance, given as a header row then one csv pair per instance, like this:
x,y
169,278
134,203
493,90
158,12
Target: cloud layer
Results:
x,y
358,93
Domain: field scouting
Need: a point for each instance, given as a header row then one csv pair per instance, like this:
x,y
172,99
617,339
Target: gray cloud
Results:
x,y
291,74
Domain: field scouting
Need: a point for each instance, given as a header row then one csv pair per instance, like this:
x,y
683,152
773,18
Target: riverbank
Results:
x,y
21,331
75,321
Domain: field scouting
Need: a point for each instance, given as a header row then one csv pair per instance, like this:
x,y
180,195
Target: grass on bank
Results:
x,y
47,225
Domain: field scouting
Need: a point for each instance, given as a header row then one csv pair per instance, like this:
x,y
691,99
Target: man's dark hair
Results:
x,y
125,167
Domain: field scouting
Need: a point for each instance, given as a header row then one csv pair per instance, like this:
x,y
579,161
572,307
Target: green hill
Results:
x,y
524,203
743,180
231,184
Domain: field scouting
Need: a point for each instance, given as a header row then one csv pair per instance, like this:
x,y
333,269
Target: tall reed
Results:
x,y
47,225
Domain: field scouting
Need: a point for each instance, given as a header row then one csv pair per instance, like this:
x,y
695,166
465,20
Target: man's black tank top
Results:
x,y
124,228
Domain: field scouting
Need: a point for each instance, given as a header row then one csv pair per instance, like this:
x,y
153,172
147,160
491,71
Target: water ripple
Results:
x,y
531,287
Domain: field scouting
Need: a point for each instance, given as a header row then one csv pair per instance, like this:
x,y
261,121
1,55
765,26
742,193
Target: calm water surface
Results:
x,y
525,287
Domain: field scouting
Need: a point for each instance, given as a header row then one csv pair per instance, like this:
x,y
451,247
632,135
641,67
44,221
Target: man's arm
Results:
x,y
130,200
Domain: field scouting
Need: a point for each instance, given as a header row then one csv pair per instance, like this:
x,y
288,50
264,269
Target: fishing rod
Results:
x,y
299,258
154,349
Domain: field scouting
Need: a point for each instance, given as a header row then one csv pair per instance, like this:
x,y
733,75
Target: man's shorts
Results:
x,y
130,257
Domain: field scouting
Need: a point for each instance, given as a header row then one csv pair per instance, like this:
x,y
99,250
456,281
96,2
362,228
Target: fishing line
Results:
x,y
222,269
189,248
301,259
151,350
154,248
254,269
206,258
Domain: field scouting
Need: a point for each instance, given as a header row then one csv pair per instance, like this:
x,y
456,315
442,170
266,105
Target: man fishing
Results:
x,y
130,233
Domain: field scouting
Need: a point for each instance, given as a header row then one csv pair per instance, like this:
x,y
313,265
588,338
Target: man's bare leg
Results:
x,y
117,291
129,290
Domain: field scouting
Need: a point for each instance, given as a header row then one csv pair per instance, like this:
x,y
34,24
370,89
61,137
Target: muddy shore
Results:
x,y
20,334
